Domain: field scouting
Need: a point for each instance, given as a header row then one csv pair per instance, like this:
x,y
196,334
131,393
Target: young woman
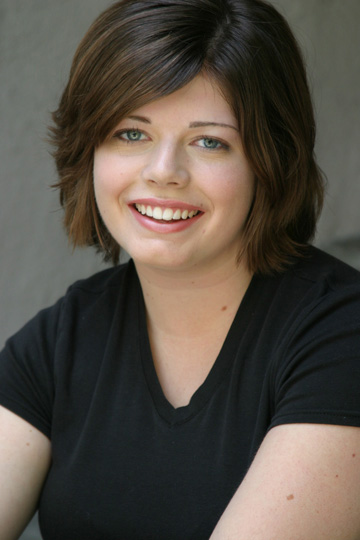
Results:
x,y
209,388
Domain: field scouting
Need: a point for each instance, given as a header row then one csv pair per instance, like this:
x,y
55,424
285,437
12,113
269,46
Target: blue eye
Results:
x,y
134,135
211,144
130,135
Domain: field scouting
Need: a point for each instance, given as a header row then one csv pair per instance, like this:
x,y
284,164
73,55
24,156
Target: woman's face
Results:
x,y
172,183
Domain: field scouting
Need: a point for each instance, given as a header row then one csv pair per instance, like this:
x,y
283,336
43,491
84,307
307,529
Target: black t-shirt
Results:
x,y
126,464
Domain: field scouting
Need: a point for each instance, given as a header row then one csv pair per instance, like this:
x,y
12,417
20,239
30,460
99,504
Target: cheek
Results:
x,y
108,178
233,187
104,184
100,173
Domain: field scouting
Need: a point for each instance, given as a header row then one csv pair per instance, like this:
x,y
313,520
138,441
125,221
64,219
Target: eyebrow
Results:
x,y
140,119
205,124
191,125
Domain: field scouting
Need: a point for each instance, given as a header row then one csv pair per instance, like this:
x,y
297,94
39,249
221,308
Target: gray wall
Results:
x,y
37,40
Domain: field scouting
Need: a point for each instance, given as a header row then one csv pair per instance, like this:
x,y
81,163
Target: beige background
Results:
x,y
37,40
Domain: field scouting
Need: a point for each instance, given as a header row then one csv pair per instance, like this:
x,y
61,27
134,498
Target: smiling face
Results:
x,y
172,183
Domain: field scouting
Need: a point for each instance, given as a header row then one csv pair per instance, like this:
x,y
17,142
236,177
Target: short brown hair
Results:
x,y
140,50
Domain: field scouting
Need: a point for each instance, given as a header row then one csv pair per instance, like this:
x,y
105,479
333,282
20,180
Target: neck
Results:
x,y
192,303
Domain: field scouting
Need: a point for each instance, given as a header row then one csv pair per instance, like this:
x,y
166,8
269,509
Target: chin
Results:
x,y
163,263
163,260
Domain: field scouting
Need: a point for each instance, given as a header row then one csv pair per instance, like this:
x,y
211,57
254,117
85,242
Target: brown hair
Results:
x,y
140,50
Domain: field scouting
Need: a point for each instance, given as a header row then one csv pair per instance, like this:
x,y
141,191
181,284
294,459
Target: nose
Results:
x,y
166,165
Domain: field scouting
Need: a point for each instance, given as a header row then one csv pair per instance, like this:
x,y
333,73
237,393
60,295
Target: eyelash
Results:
x,y
220,145
120,133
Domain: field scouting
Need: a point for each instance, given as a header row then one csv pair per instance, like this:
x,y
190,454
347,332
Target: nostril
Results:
x,y
172,175
164,182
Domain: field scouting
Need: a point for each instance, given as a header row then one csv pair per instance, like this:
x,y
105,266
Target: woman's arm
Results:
x,y
25,456
304,484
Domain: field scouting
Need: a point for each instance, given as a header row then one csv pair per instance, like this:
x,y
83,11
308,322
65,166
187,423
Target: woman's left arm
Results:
x,y
304,484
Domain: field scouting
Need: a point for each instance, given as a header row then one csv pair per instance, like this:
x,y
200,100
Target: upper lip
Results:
x,y
165,203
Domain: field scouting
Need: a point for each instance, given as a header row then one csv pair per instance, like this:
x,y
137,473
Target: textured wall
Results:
x,y
328,30
37,40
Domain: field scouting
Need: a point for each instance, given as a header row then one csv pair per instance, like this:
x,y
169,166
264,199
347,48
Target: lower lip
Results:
x,y
164,226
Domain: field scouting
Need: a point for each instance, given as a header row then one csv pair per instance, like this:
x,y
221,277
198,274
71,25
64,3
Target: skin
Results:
x,y
25,455
302,485
171,150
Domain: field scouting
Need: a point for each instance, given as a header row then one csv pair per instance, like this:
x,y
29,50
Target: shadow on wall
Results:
x,y
32,531
347,249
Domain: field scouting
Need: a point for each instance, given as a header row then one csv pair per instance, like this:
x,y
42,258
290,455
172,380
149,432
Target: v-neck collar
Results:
x,y
170,414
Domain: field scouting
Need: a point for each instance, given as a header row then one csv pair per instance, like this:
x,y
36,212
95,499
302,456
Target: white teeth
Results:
x,y
157,213
168,214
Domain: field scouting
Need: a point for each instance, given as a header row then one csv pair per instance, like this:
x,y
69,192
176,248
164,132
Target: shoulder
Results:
x,y
92,295
316,284
312,318
315,280
322,290
108,285
105,280
320,267
316,364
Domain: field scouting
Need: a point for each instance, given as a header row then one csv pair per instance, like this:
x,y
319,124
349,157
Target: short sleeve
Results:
x,y
317,377
26,369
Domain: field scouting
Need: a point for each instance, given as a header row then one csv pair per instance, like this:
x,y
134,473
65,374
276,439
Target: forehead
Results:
x,y
201,99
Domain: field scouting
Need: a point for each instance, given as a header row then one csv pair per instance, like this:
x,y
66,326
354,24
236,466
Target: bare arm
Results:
x,y
25,456
304,484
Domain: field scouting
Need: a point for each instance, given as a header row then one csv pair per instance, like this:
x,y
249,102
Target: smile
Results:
x,y
165,214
